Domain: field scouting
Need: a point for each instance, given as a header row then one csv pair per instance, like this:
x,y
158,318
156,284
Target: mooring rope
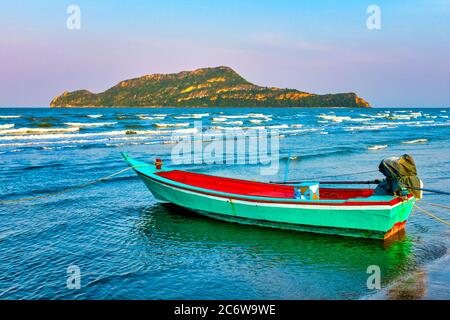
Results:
x,y
435,205
432,215
71,188
344,174
333,176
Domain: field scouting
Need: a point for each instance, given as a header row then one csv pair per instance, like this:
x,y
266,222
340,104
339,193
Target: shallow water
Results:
x,y
129,247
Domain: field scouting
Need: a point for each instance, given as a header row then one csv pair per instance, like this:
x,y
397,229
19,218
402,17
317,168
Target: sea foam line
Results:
x,y
415,141
93,124
97,134
10,117
38,130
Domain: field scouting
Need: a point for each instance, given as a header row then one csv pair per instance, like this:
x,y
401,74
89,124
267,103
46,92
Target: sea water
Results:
x,y
126,246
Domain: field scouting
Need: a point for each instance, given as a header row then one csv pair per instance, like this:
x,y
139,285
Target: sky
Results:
x,y
315,46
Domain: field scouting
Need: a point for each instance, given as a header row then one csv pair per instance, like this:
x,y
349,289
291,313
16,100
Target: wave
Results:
x,y
95,116
150,118
378,147
280,126
415,141
107,134
259,115
37,131
192,116
45,145
234,123
323,153
168,125
369,128
237,128
6,126
10,117
333,118
221,119
360,119
86,125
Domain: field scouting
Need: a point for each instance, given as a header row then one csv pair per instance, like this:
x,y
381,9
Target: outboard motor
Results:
x,y
401,177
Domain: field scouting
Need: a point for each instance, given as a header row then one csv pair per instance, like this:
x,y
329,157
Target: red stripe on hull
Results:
x,y
236,197
396,228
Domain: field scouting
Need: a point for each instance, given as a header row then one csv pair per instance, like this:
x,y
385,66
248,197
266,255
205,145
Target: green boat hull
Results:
x,y
368,221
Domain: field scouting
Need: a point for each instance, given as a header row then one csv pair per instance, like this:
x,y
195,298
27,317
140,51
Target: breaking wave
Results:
x,y
415,141
21,131
10,117
378,147
86,125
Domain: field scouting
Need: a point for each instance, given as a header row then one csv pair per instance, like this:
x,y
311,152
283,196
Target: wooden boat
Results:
x,y
353,212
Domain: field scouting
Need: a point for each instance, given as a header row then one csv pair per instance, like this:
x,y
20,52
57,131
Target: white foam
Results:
x,y
190,130
86,125
281,126
360,119
10,117
258,115
333,118
399,117
38,130
234,123
168,125
6,126
95,116
110,134
221,119
378,147
237,117
415,141
151,118
296,126
369,128
257,121
192,116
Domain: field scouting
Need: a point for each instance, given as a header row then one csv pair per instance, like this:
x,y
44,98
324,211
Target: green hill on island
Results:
x,y
207,87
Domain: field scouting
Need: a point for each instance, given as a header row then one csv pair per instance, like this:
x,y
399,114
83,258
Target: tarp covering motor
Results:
x,y
401,177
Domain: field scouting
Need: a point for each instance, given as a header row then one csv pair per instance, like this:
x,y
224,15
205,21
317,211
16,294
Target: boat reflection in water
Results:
x,y
211,259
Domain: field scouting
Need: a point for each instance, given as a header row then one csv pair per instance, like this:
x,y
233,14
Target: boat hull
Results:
x,y
367,221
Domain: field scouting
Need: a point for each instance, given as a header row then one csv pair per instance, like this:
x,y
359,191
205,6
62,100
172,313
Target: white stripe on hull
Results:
x,y
283,205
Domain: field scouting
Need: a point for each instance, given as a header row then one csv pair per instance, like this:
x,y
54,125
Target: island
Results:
x,y
206,87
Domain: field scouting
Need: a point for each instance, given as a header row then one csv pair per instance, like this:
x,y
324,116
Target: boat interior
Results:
x,y
258,189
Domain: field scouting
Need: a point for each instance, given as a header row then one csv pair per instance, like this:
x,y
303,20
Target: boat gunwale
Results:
x,y
350,203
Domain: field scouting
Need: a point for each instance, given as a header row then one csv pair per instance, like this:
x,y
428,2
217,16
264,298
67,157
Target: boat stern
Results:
x,y
399,216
